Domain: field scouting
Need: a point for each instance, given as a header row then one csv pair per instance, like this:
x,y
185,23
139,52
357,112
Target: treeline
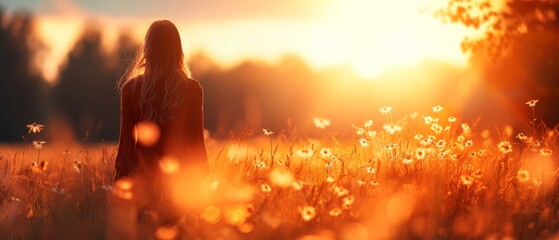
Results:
x,y
84,104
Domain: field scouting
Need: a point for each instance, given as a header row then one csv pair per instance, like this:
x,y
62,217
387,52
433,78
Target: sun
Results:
x,y
374,36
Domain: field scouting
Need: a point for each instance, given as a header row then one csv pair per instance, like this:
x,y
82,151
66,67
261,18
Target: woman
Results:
x,y
157,91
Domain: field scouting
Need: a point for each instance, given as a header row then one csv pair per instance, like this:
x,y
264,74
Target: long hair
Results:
x,y
161,66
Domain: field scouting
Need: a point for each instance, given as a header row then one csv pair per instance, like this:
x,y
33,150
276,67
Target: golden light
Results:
x,y
169,164
123,189
211,215
370,36
147,133
235,214
166,232
281,177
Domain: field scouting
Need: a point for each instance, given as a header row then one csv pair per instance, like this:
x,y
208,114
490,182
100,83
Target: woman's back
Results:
x,y
180,135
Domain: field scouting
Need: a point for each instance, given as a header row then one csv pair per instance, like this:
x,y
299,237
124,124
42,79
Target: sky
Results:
x,y
370,36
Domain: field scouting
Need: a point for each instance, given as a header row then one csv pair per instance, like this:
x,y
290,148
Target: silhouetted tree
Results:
x,y
86,92
21,88
521,39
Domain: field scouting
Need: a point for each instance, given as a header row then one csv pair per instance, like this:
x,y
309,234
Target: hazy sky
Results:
x,y
369,35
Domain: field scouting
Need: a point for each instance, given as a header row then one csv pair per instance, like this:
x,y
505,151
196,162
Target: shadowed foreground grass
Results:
x,y
423,176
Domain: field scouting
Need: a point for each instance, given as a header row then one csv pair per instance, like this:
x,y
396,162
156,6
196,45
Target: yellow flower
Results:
x,y
451,119
265,188
467,180
392,128
546,152
437,108
521,136
321,123
532,103
326,152
307,212
523,175
407,160
38,144
420,153
35,127
385,110
368,123
505,147
363,142
335,212
267,132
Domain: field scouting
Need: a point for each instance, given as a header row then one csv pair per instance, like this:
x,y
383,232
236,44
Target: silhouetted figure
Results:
x,y
158,93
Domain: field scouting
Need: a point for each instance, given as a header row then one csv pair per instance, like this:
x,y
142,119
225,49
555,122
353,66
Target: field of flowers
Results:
x,y
425,175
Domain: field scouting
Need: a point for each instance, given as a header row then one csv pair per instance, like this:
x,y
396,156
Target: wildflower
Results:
x,y
532,103
360,131
546,152
437,109
460,138
371,170
466,180
335,212
374,183
368,123
441,143
360,182
321,123
330,179
307,212
418,137
407,160
451,119
38,144
435,127
521,136
371,134
385,110
429,119
35,128
260,164
505,147
392,128
340,191
523,175
326,152
537,182
420,153
363,142
267,132
348,201
78,166
468,143
265,188
305,153
413,115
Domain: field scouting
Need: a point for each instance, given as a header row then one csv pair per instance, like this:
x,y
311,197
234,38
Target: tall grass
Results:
x,y
422,176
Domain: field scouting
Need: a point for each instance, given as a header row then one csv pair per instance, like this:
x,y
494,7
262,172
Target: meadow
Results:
x,y
426,175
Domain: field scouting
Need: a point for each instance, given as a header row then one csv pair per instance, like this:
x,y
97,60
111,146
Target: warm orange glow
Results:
x,y
169,165
211,215
370,36
166,233
147,133
281,177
